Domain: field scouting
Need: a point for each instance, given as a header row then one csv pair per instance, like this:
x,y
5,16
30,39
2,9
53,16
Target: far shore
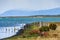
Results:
x,y
34,16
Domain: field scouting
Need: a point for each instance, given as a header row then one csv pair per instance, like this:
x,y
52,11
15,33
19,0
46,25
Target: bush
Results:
x,y
53,26
34,32
44,28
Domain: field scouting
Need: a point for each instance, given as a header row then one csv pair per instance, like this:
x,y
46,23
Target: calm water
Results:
x,y
5,22
10,23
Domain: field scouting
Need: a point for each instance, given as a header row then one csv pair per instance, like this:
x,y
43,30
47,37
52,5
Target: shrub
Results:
x,y
46,34
44,28
34,32
53,26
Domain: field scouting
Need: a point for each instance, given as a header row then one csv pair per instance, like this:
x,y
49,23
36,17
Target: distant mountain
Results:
x,y
55,11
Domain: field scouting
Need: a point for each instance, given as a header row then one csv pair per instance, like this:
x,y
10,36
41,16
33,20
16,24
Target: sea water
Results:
x,y
8,25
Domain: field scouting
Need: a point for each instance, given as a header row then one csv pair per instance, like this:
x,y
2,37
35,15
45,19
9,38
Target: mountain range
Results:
x,y
55,11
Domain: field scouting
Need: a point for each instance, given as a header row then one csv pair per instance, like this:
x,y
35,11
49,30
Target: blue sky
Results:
x,y
28,5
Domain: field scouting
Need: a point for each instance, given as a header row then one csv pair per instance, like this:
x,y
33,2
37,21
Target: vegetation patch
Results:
x,y
34,30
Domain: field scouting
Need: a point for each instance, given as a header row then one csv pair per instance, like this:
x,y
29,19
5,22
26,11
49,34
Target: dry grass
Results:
x,y
34,38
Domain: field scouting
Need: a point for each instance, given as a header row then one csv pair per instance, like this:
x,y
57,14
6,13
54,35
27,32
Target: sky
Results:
x,y
6,5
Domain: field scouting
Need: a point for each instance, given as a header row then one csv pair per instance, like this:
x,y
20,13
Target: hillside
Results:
x,y
55,11
25,32
32,31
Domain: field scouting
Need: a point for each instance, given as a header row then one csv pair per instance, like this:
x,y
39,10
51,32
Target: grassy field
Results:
x,y
50,37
